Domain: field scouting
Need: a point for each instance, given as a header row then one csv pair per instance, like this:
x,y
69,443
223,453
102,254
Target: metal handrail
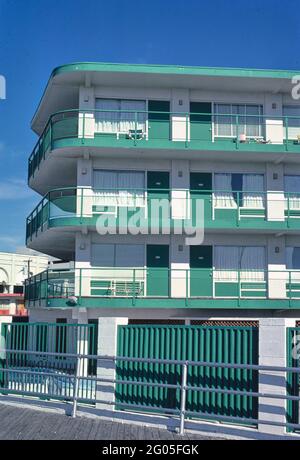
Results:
x,y
133,275
187,120
183,386
79,194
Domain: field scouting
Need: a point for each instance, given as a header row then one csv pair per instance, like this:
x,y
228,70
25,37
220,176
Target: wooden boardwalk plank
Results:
x,y
24,423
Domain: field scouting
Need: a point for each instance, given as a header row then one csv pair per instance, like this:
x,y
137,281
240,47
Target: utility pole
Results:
x,y
28,268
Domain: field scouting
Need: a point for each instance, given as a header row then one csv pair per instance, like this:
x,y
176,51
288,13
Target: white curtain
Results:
x,y
131,186
293,123
118,255
107,119
252,185
292,189
114,118
229,259
223,197
105,184
119,188
102,255
130,255
250,120
292,257
252,263
226,263
127,119
223,122
253,122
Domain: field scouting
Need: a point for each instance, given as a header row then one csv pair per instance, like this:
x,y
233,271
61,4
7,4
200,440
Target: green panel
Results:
x,y
226,289
293,379
158,270
201,271
159,123
201,188
158,183
92,345
197,343
59,337
200,125
65,128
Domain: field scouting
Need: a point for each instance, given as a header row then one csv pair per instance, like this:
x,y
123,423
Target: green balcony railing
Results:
x,y
75,286
113,128
165,209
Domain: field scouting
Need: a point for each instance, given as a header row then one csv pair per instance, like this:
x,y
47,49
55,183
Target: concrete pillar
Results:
x,y
180,106
277,277
275,192
179,264
272,352
180,184
82,261
107,346
86,126
80,316
274,124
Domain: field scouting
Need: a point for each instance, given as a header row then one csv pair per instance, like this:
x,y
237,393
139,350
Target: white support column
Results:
x,y
180,106
86,126
274,123
272,352
277,277
84,187
179,252
80,316
275,192
179,264
82,264
107,346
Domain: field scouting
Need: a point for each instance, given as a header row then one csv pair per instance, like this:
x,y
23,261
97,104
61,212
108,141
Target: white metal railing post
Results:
x,y
183,397
76,386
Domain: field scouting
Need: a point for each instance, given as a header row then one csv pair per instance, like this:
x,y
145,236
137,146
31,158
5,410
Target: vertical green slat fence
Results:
x,y
234,345
293,379
48,337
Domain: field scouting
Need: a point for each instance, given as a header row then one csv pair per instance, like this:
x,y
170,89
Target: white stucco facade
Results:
x,y
75,166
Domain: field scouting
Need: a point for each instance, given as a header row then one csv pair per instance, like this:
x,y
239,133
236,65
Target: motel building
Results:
x,y
213,274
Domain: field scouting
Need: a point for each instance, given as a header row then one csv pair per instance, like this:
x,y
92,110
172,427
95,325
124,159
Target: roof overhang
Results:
x,y
65,81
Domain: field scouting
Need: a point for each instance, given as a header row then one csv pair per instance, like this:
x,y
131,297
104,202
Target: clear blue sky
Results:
x,y
38,35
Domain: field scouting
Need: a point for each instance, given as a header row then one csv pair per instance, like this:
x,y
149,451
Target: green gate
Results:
x,y
293,379
61,338
234,345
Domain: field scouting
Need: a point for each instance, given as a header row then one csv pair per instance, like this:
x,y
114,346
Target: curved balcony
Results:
x,y
167,130
120,287
164,211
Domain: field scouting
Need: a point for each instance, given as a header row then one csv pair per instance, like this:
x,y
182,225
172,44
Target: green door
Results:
x,y
201,121
201,188
158,270
158,183
201,271
159,120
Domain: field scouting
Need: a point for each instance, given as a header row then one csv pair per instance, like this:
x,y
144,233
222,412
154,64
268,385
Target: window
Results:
x,y
18,289
292,192
250,186
292,123
293,258
250,260
118,255
119,188
119,116
250,120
